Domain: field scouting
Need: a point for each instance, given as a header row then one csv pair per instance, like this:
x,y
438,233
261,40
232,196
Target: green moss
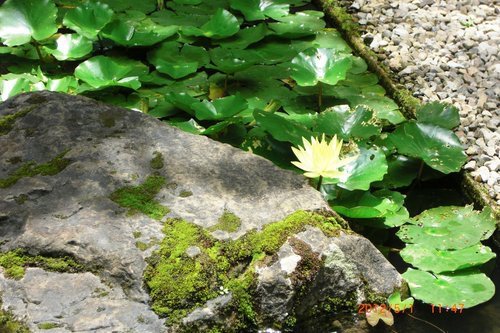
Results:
x,y
143,246
48,326
137,234
14,262
21,199
157,161
178,284
227,222
31,169
407,101
107,118
141,198
7,122
9,324
185,194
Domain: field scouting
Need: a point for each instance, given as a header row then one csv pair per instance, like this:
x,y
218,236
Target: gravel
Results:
x,y
445,51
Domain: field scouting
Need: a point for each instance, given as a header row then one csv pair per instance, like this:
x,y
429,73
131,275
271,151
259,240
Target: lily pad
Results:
x,y
301,24
88,18
260,9
463,289
402,170
23,20
320,65
70,47
220,108
429,259
370,166
397,304
347,123
281,128
437,146
449,227
101,71
358,204
222,24
190,126
178,60
232,61
245,37
182,101
440,114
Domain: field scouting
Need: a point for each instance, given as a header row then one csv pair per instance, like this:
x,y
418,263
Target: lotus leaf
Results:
x,y
327,38
369,167
402,170
359,204
437,146
183,101
231,61
222,24
397,304
301,24
346,123
23,20
320,65
245,37
178,60
190,126
429,259
449,228
101,71
70,47
220,108
88,18
260,9
440,114
463,289
280,128
144,6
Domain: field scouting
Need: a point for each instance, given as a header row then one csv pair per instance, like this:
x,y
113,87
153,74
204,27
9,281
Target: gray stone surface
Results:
x,y
70,213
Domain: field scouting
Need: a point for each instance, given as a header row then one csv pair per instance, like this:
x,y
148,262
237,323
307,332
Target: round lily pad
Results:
x,y
221,25
348,123
440,114
178,60
88,18
220,108
70,47
260,9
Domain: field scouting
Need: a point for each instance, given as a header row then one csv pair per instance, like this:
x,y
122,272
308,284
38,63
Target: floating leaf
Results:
x,y
347,123
70,47
373,315
429,259
245,37
101,71
260,9
369,167
190,126
328,38
402,170
298,25
437,146
23,20
281,128
222,24
358,204
320,65
231,61
440,114
144,6
397,304
463,289
178,60
88,18
182,101
221,108
449,227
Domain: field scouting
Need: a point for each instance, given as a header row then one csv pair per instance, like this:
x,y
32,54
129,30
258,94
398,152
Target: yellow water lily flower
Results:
x,y
320,158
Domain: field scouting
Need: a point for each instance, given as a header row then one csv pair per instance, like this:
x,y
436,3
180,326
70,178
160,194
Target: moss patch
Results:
x,y
137,234
227,222
7,122
15,262
157,161
107,118
141,198
185,194
31,169
48,326
9,324
178,284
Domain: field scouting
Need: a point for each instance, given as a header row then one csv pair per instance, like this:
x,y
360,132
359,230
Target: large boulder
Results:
x,y
112,221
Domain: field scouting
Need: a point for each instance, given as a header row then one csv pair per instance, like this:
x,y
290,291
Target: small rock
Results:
x,y
193,251
471,165
484,173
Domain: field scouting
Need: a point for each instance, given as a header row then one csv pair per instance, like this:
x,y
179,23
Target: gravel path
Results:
x,y
446,51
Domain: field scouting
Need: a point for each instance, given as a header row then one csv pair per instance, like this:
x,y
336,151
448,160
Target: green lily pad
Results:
x,y
133,30
144,6
347,123
220,108
301,24
101,71
222,24
328,38
397,304
370,166
460,290
178,60
320,65
88,18
274,51
358,204
437,146
440,114
182,101
232,61
438,261
10,87
245,37
260,9
190,126
402,170
70,47
281,128
449,227
23,20
67,84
